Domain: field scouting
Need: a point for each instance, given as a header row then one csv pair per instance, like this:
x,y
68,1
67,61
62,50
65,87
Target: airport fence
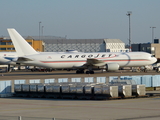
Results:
x,y
7,86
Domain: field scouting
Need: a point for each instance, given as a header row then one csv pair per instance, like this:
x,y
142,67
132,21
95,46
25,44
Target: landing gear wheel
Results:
x,y
90,72
87,72
79,71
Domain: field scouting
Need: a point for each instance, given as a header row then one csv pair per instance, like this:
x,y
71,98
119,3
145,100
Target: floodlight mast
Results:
x,y
152,34
129,13
40,30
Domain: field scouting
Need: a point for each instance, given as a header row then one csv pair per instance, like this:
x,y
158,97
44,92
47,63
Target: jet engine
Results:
x,y
112,67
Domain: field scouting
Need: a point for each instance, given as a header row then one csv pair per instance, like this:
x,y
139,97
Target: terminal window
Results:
x,y
2,43
2,48
156,40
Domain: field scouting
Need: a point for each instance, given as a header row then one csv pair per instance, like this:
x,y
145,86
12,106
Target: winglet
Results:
x,y
21,45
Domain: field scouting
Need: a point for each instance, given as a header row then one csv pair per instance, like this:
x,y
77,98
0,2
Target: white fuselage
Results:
x,y
71,60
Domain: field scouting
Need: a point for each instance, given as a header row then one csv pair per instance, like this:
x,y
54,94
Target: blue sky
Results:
x,y
82,19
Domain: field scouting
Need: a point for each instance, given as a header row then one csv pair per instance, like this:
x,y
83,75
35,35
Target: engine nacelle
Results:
x,y
112,67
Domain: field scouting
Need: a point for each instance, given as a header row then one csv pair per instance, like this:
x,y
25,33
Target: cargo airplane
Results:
x,y
7,58
110,61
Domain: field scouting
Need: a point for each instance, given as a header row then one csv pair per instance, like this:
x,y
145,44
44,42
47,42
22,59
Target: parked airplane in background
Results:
x,y
110,61
8,58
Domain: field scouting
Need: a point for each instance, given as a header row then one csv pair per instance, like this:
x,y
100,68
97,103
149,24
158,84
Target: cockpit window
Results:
x,y
152,55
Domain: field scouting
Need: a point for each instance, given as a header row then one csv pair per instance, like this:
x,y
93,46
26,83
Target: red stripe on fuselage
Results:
x,y
85,61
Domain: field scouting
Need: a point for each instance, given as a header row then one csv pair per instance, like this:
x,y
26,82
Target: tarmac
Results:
x,y
45,109
26,74
120,109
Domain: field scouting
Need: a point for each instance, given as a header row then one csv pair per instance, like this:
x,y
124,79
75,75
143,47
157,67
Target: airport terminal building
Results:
x,y
152,48
60,44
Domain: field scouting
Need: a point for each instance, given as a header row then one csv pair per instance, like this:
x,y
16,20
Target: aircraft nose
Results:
x,y
155,59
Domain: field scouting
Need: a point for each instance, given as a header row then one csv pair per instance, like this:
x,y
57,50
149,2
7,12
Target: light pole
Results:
x,y
42,32
39,30
152,34
129,14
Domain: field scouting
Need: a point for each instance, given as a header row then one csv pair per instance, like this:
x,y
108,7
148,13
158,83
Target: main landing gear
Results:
x,y
90,72
79,71
82,71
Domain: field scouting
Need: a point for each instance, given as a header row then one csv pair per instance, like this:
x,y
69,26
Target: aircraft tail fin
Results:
x,y
21,45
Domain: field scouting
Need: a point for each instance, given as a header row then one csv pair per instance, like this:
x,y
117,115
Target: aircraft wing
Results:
x,y
94,62
23,59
